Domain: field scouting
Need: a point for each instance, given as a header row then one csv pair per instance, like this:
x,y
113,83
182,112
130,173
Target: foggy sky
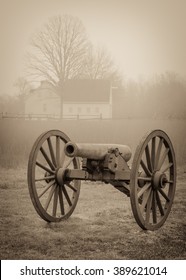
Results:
x,y
144,37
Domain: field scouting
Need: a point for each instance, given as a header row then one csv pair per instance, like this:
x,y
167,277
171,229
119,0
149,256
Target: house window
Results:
x,y
97,110
79,109
44,107
70,109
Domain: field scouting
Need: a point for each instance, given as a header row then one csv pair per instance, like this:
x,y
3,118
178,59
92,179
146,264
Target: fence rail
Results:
x,y
47,116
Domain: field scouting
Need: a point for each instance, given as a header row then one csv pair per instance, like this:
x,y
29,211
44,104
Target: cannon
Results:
x,y
57,166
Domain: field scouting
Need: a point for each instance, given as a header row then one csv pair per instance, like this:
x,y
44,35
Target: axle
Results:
x,y
63,175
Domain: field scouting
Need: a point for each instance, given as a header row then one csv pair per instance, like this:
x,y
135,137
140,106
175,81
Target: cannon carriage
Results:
x,y
57,166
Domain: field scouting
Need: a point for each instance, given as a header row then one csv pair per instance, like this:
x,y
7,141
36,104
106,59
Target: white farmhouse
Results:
x,y
42,101
80,99
87,99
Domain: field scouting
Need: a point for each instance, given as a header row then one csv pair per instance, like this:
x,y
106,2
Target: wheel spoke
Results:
x,y
147,171
159,204
66,196
49,197
51,151
46,189
154,206
71,187
167,167
68,162
164,195
153,148
45,178
55,201
58,150
62,157
143,189
158,152
45,168
149,205
61,202
146,179
47,158
149,163
170,182
162,159
145,199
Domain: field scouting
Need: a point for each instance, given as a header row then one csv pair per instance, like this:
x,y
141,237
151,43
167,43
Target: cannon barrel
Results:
x,y
95,151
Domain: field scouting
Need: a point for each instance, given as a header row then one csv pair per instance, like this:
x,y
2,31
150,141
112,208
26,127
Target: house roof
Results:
x,y
86,91
76,91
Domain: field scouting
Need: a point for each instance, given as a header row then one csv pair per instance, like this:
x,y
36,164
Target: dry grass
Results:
x,y
102,226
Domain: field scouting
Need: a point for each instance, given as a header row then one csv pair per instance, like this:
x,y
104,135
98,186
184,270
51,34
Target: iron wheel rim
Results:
x,y
153,180
52,202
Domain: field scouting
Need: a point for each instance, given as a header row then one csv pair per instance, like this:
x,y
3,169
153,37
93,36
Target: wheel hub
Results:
x,y
159,180
60,176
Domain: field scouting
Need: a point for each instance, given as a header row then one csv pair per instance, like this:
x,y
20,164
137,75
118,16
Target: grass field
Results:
x,y
102,226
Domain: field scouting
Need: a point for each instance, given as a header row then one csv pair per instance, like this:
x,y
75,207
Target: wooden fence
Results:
x,y
47,116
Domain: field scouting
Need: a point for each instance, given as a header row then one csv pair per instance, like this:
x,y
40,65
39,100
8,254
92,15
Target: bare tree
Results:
x,y
99,64
62,51
23,89
22,86
57,52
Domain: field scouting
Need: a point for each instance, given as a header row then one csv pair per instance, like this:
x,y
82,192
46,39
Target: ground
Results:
x,y
101,227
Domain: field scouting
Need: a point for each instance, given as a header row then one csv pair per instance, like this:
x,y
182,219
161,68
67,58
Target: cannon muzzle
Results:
x,y
95,151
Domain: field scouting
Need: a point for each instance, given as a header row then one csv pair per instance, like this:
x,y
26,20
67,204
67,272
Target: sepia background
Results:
x,y
138,49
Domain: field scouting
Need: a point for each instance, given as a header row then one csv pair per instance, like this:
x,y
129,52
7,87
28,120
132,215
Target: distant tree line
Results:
x,y
164,96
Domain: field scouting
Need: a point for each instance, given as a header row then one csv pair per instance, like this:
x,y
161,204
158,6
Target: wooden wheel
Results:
x,y
153,180
53,199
